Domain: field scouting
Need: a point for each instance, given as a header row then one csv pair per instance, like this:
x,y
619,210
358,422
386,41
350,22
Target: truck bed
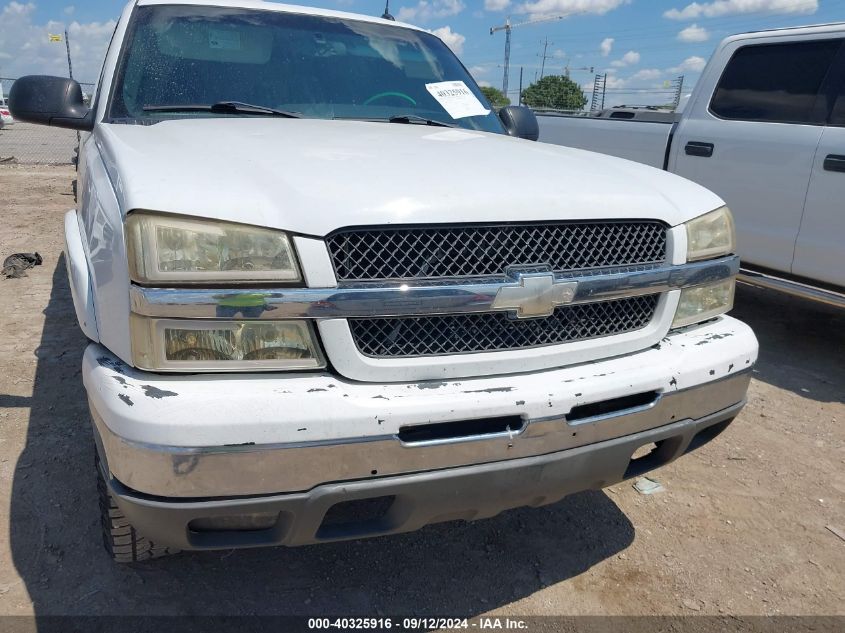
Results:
x,y
641,141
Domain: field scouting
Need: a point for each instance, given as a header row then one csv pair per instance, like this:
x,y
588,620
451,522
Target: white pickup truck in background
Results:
x,y
765,129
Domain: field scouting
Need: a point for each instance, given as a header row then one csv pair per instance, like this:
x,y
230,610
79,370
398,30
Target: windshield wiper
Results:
x,y
226,107
415,118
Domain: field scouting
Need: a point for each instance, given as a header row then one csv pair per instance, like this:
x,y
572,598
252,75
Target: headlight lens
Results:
x,y
182,345
700,303
711,235
178,250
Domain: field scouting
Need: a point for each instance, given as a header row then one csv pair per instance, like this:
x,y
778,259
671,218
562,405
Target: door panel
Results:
x,y
762,171
820,249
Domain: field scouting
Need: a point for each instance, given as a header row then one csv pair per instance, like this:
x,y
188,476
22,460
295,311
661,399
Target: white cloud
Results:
x,y
538,8
496,5
26,49
630,58
647,74
615,83
647,79
429,9
606,46
719,8
70,10
694,33
453,40
693,64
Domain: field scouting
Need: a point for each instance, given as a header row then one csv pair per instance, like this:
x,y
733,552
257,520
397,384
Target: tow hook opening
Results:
x,y
706,435
357,516
652,455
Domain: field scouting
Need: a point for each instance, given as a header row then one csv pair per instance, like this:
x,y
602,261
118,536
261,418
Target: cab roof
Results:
x,y
278,7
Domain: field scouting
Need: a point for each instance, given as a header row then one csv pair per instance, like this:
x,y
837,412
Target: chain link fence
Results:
x,y
27,144
563,95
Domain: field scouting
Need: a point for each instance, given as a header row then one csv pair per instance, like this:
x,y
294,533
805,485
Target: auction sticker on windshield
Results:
x,y
457,99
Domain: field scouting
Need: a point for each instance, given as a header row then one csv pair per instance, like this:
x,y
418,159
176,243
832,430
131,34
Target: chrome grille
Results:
x,y
473,251
495,331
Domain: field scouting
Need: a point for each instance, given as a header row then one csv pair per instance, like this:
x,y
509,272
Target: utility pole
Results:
x,y
69,63
519,99
545,57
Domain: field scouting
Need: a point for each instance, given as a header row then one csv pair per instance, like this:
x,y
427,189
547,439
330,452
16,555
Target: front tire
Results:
x,y
122,541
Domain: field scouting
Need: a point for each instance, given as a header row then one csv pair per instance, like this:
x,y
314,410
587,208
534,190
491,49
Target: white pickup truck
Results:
x,y
319,308
765,129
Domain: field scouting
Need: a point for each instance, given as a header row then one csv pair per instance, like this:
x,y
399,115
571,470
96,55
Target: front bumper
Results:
x,y
393,505
215,461
207,436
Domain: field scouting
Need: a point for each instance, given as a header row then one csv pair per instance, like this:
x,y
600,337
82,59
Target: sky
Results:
x,y
640,44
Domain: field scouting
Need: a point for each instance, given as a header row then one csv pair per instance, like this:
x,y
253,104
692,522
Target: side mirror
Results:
x,y
520,121
55,101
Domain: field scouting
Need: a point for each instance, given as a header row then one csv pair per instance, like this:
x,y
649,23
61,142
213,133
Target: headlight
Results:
x,y
700,303
711,235
174,250
182,345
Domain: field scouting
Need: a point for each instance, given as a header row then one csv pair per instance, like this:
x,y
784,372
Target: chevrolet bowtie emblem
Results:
x,y
537,295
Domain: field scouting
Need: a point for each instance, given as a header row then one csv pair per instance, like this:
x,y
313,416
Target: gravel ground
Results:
x,y
740,530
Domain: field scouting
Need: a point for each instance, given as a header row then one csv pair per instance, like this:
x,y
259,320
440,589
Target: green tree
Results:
x,y
495,96
556,92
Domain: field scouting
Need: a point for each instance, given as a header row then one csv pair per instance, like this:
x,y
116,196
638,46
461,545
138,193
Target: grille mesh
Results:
x,y
467,333
417,253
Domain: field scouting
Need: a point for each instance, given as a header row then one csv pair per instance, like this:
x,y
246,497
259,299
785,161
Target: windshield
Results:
x,y
312,66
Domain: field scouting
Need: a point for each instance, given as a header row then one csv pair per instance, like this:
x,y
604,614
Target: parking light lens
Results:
x,y
221,346
701,303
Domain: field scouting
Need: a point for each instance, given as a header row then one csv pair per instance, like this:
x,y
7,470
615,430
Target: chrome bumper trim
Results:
x,y
396,299
172,471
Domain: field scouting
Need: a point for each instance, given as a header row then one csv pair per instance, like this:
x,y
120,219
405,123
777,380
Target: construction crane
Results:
x,y
507,27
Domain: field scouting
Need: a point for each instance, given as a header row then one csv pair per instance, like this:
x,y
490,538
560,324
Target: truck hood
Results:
x,y
314,176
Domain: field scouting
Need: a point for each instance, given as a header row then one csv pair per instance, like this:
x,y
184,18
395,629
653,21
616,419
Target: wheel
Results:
x,y
122,541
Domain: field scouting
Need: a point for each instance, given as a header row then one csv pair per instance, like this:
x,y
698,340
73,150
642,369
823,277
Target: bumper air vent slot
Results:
x,y
462,430
612,407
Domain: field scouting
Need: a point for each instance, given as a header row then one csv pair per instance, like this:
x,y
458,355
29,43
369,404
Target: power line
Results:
x,y
734,23
751,18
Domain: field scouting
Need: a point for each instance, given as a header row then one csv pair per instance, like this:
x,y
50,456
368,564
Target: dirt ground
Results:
x,y
740,529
